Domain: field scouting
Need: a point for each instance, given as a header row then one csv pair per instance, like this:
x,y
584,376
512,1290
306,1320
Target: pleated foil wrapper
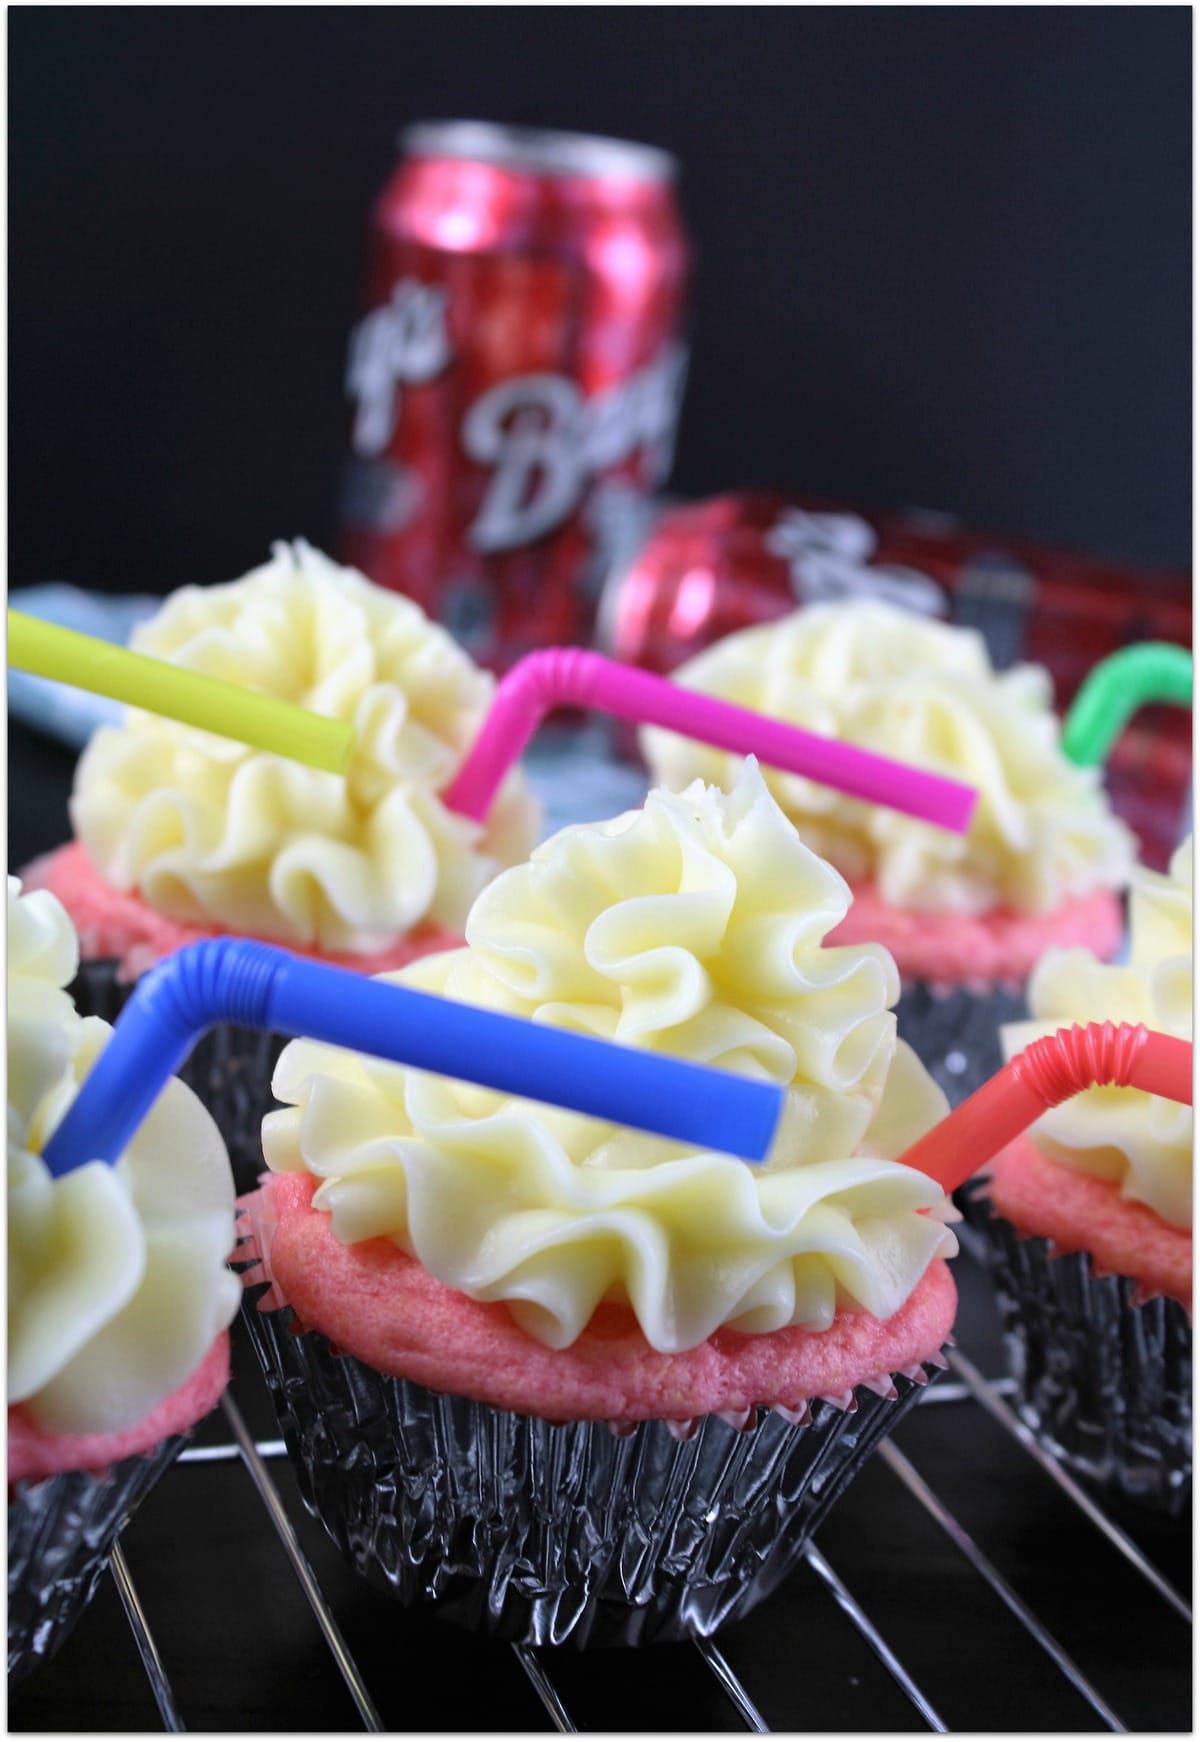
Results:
x,y
592,1533
229,1068
1104,1375
61,1531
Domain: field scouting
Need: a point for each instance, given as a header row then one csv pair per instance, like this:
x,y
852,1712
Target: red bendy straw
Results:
x,y
572,677
1049,1071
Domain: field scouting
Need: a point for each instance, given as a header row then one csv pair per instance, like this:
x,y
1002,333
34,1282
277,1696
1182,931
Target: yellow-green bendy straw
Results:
x,y
48,650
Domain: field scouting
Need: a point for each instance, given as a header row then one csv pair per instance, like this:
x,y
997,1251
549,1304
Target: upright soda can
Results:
x,y
516,379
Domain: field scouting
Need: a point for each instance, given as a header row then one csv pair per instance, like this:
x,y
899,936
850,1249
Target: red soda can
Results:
x,y
517,377
710,568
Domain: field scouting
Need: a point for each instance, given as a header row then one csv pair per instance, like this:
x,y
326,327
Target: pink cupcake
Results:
x,y
965,917
119,1296
1090,1223
182,835
564,1380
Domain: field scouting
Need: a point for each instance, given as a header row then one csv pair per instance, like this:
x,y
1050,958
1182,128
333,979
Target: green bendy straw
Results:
x,y
48,650
1149,671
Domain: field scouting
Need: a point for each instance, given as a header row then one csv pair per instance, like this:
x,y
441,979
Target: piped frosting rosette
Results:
x,y
117,1280
926,693
1140,1142
693,927
214,833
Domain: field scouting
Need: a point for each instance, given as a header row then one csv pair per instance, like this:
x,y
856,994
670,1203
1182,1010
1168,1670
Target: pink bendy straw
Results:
x,y
572,677
1050,1071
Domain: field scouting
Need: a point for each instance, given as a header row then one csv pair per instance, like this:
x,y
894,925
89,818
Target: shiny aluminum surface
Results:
x,y
539,151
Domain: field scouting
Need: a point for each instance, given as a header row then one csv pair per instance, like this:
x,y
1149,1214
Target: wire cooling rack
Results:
x,y
964,1582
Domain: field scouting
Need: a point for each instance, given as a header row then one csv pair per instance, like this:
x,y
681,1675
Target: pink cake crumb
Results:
x,y
1082,1214
1001,946
373,1301
34,1451
111,924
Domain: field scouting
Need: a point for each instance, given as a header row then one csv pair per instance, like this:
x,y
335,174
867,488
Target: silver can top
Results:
x,y
539,151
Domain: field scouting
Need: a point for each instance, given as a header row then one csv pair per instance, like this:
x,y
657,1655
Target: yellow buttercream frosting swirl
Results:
x,y
117,1280
694,927
925,693
212,832
1139,1141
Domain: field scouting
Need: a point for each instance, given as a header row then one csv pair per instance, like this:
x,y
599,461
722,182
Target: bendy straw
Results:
x,y
573,677
257,986
48,650
1114,690
1049,1071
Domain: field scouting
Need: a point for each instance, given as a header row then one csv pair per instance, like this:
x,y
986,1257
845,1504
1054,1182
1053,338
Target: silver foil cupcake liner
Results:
x,y
229,1068
61,1532
591,1533
1104,1375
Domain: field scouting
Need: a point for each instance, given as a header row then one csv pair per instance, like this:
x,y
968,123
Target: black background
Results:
x,y
945,256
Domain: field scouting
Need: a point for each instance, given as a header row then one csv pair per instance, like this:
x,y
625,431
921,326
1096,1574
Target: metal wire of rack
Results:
x,y
965,1388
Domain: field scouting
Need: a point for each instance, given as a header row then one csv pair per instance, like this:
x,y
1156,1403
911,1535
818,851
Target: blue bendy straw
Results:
x,y
250,984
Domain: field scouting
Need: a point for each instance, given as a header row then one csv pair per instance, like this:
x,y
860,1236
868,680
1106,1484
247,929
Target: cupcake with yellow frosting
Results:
x,y
564,1379
965,917
182,835
119,1296
1091,1225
